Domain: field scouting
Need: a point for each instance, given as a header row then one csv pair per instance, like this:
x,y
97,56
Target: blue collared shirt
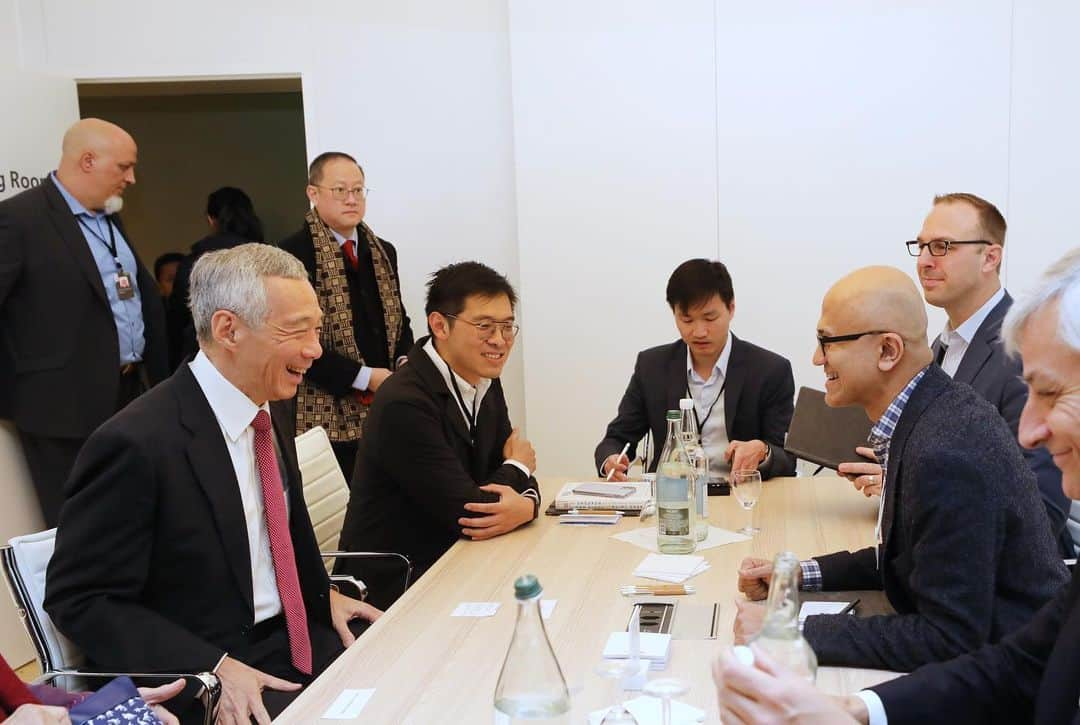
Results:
x,y
127,314
880,437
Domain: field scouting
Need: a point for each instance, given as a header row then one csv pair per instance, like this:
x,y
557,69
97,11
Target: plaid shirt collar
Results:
x,y
882,432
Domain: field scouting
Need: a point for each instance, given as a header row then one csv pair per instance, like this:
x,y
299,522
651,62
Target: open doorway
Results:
x,y
195,136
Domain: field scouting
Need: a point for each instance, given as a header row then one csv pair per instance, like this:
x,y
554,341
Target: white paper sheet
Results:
x,y
645,537
475,609
348,705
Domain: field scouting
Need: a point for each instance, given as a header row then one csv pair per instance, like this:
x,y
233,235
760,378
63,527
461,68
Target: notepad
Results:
x,y
655,648
672,568
810,609
567,499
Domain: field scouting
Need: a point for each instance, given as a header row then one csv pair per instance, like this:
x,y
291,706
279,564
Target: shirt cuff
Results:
x,y
401,361
520,466
874,706
811,575
214,671
363,378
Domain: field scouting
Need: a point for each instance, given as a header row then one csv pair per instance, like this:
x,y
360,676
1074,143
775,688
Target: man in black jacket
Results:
x,y
80,315
439,459
366,334
742,393
964,551
185,544
1031,676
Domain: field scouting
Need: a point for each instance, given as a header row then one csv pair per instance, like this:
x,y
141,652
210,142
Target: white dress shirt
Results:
x,y
958,340
234,412
472,395
714,431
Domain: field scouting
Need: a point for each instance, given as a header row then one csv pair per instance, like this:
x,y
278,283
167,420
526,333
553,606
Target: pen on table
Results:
x,y
849,607
623,453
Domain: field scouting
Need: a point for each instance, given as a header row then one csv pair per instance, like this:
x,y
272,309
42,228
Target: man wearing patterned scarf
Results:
x,y
365,333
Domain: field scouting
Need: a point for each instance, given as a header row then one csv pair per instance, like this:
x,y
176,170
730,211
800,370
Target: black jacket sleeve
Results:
x,y
631,421
777,407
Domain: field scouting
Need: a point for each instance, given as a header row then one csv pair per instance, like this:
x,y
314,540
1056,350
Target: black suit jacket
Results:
x,y
996,376
415,466
333,371
967,556
151,569
758,402
1031,676
62,367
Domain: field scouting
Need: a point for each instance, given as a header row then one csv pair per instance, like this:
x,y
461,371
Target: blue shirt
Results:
x,y
127,314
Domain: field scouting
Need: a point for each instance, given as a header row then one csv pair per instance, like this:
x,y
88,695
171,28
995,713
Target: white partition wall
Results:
x,y
587,148
615,149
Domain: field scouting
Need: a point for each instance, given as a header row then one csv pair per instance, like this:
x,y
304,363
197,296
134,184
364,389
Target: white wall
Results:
x,y
604,142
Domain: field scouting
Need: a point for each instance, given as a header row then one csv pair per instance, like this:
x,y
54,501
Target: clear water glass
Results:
x,y
617,671
666,688
746,485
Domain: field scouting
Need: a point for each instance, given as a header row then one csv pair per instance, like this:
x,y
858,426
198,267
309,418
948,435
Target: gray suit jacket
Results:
x,y
996,376
967,555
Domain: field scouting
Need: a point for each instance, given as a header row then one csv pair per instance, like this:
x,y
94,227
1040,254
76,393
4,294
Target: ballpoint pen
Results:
x,y
623,453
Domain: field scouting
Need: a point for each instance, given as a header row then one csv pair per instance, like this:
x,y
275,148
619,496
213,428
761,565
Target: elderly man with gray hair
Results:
x,y
185,543
1030,676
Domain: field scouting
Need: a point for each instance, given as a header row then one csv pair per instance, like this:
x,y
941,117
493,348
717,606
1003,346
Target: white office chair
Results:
x,y
326,493
24,561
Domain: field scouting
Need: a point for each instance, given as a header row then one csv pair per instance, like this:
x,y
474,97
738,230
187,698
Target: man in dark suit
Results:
x,y
355,275
959,251
742,393
1032,675
964,552
185,543
439,459
83,325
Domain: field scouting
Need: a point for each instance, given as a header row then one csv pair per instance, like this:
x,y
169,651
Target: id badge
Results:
x,y
124,289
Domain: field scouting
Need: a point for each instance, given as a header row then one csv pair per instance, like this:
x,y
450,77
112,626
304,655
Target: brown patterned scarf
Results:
x,y
343,417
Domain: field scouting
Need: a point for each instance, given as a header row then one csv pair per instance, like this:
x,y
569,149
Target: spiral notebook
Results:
x,y
567,499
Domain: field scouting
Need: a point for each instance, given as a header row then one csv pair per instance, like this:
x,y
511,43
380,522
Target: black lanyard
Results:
x,y
701,423
111,244
470,420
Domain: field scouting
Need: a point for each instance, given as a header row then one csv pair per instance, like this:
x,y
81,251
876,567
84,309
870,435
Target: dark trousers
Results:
x,y
267,650
345,452
50,459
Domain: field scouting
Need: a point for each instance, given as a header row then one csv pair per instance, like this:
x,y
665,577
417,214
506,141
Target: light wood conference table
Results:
x,y
429,667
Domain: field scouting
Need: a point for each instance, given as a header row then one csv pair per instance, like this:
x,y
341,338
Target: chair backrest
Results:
x,y
326,491
25,560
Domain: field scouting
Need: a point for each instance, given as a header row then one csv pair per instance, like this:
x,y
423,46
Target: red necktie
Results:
x,y
281,548
349,247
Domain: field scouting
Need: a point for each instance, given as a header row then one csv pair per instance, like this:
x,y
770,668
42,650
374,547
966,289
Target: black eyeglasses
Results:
x,y
486,330
937,247
824,340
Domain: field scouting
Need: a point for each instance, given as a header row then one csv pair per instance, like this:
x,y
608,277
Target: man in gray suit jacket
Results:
x,y
963,551
959,251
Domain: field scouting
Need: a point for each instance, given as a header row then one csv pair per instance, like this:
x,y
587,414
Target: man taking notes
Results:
x,y
742,393
439,459
963,551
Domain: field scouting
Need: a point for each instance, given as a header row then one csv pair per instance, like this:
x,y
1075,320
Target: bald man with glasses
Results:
x,y
958,258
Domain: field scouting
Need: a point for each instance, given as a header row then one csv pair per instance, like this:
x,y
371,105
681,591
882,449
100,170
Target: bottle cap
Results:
x,y
527,587
686,404
674,415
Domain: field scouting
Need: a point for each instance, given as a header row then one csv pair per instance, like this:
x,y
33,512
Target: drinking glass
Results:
x,y
746,485
666,688
617,670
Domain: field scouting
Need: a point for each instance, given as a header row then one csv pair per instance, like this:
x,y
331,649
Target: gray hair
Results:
x,y
232,279
1059,283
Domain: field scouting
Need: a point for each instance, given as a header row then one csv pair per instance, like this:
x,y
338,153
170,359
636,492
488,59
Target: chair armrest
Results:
x,y
401,558
208,694
360,587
